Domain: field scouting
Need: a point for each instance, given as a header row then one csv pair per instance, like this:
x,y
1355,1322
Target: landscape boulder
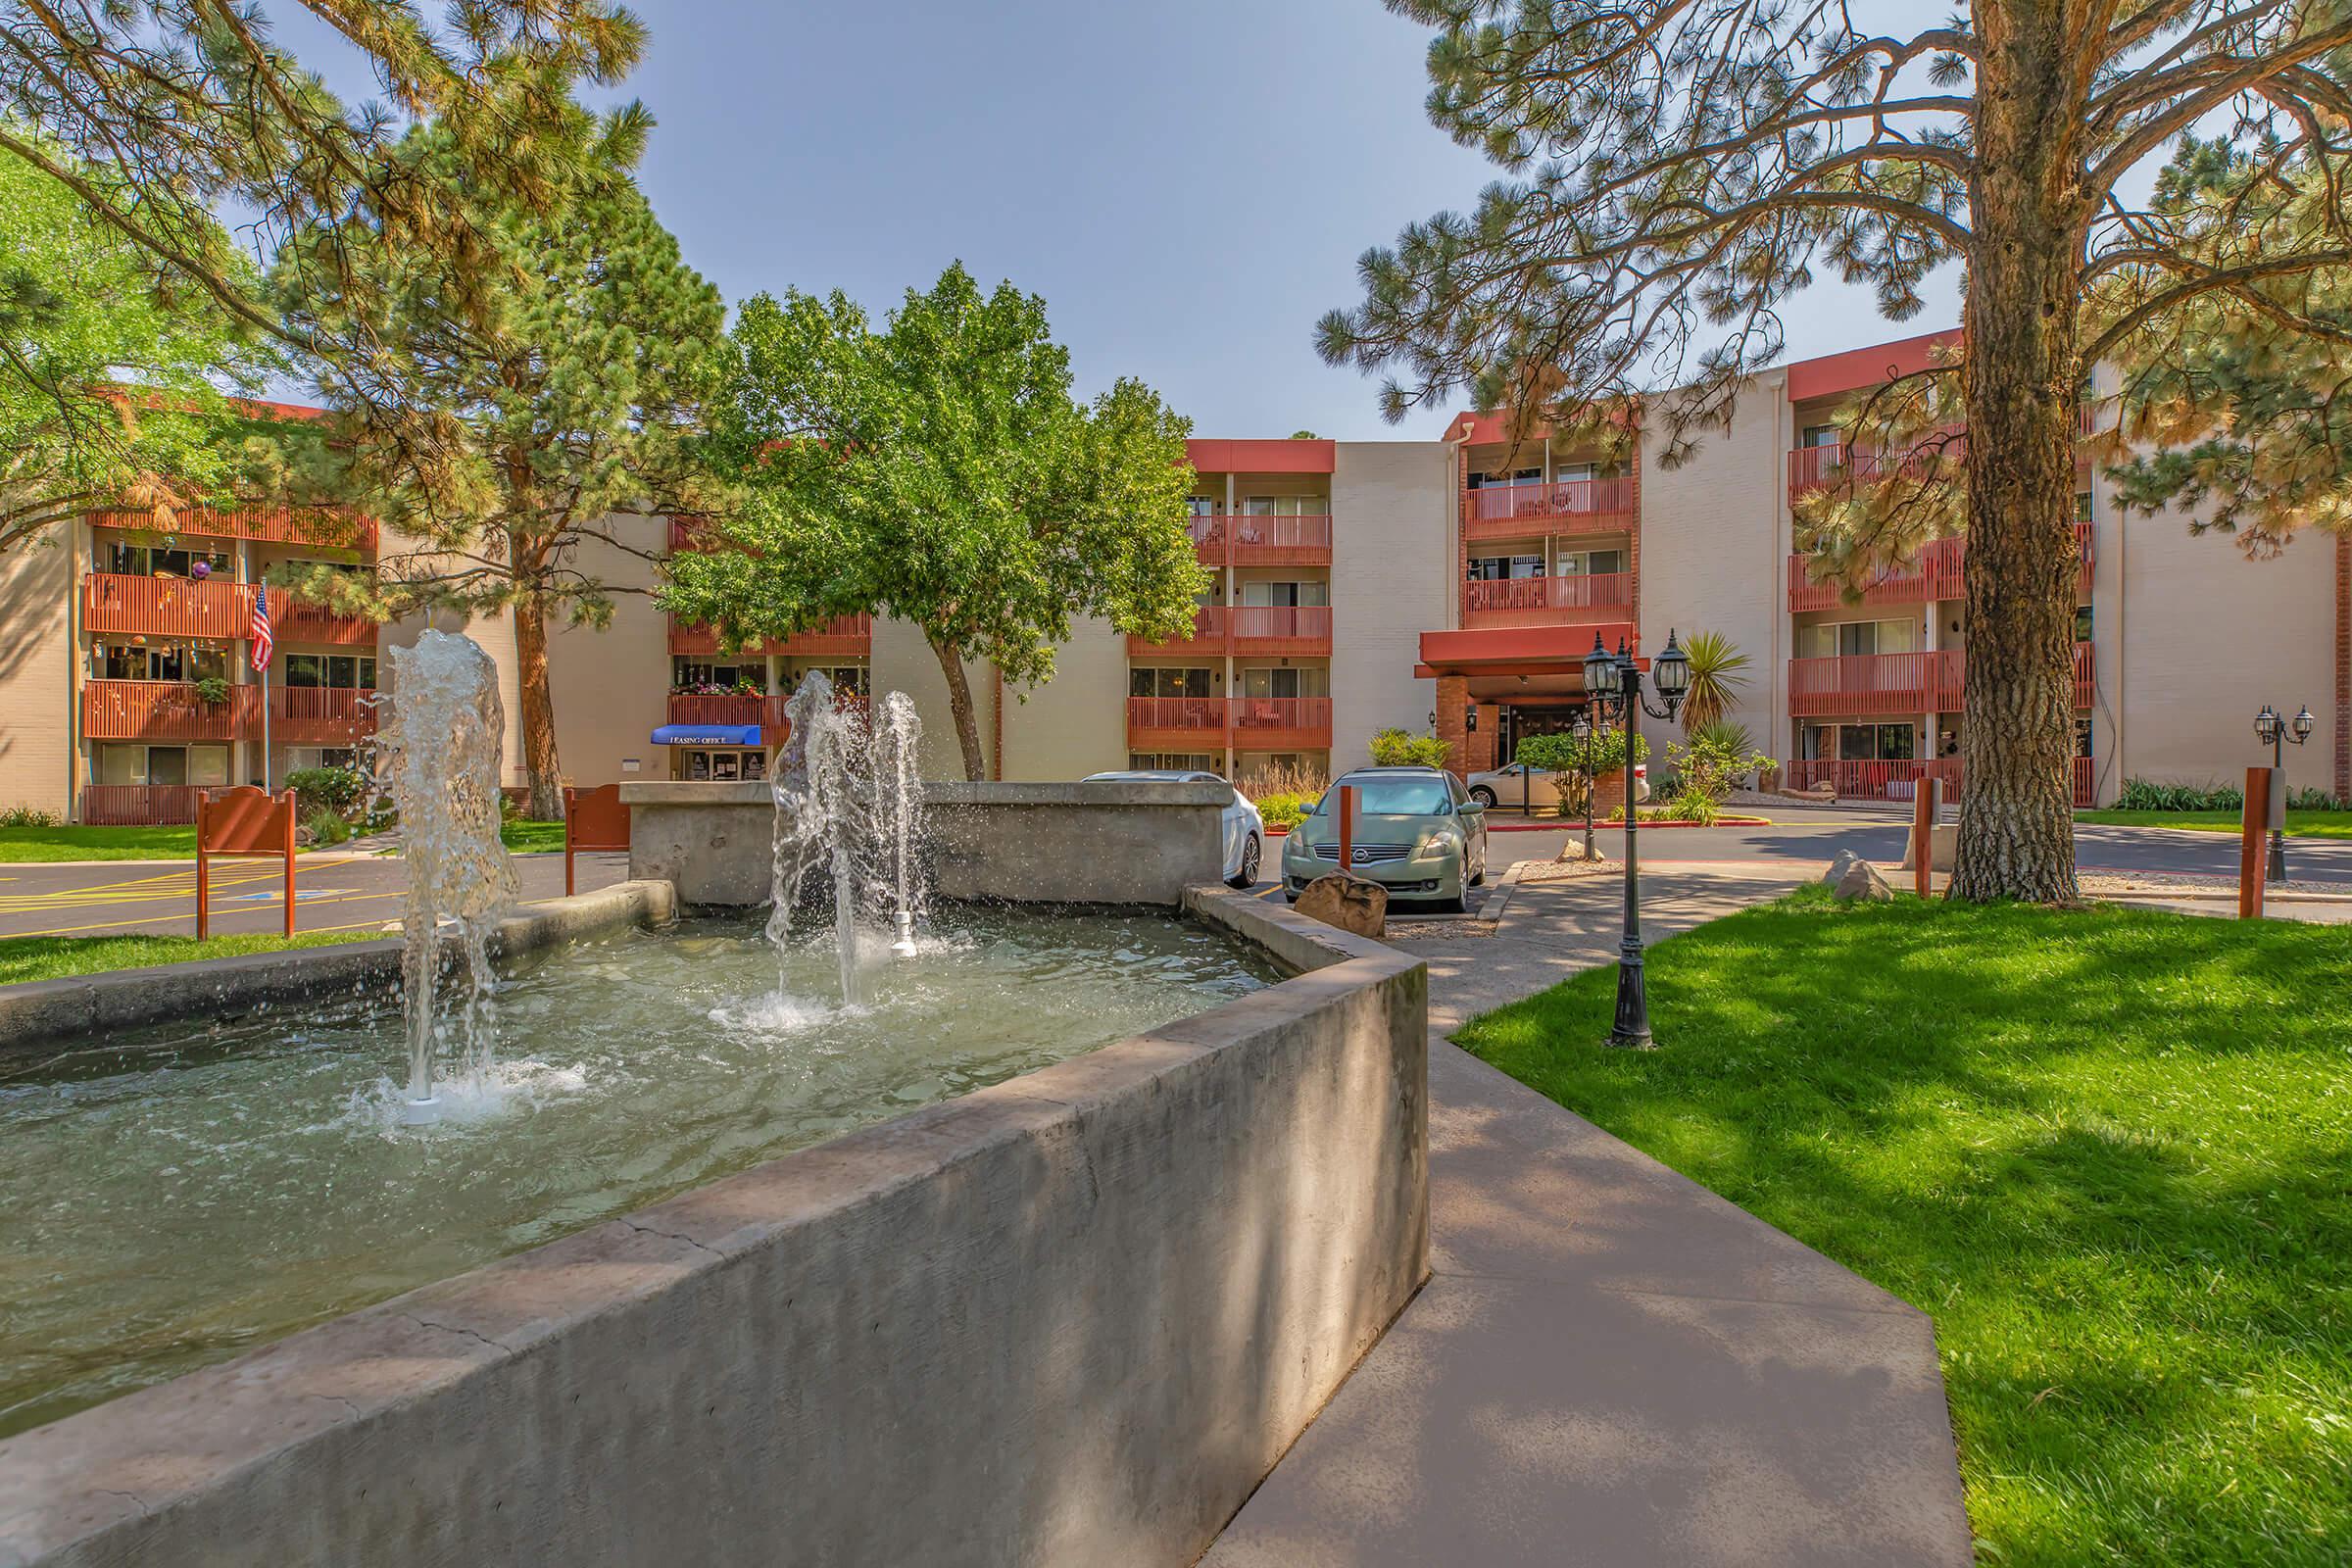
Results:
x,y
1863,881
1846,862
1351,903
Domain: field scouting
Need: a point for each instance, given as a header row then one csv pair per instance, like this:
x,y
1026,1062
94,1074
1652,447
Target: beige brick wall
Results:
x,y
36,581
1075,725
1391,578
2206,637
1714,552
611,687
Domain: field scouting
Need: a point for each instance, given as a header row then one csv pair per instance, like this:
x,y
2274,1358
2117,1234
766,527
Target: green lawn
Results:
x,y
24,844
49,958
2308,824
2109,1151
522,837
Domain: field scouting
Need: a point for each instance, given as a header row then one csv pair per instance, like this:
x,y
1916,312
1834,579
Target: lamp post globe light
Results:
x,y
2274,732
1614,681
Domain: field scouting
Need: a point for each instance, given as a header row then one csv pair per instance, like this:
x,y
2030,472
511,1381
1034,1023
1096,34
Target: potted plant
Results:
x,y
212,690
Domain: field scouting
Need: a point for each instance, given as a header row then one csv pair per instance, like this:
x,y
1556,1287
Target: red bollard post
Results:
x,y
2252,833
287,804
204,879
1346,825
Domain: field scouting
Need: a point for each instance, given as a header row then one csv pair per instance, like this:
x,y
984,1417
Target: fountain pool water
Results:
x,y
182,1193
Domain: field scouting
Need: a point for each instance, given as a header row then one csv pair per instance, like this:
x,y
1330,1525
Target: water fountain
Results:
x,y
439,757
847,800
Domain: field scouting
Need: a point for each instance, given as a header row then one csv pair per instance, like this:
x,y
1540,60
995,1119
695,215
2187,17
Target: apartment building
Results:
x,y
1453,585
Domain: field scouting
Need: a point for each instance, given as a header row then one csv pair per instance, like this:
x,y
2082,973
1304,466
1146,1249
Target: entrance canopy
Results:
x,y
1555,653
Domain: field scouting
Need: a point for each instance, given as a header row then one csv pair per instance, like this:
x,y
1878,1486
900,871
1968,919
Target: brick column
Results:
x,y
1483,742
1453,699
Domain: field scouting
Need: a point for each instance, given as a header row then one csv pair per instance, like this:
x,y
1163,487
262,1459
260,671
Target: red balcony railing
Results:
x,y
1817,467
177,607
1208,539
734,707
140,804
1156,723
1291,541
1213,627
1940,572
1281,723
319,715
1862,685
1571,506
843,637
262,524
1299,629
167,710
1548,601
1900,781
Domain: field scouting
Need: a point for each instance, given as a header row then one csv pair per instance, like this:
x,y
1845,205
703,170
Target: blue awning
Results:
x,y
707,735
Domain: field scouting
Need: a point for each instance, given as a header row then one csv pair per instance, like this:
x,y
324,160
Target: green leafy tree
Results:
x,y
578,395
1677,169
111,394
939,471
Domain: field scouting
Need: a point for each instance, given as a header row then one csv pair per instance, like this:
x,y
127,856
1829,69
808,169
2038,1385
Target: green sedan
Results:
x,y
1417,833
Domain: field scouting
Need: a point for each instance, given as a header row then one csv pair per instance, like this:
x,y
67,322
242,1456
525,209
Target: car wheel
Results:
x,y
1249,873
1288,897
1479,879
1448,907
1483,796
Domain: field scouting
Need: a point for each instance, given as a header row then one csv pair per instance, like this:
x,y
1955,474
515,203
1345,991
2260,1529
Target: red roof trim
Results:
x,y
1261,456
1833,373
1477,652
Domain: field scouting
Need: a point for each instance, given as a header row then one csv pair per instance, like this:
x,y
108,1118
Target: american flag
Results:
x,y
258,629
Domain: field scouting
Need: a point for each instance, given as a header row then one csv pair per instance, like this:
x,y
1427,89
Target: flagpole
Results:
x,y
265,784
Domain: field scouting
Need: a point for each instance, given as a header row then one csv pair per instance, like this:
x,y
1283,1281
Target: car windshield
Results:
x,y
1392,797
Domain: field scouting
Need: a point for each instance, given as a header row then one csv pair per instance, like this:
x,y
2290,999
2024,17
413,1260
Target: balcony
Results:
x,y
1820,468
1285,629
1570,506
1900,780
179,607
1211,724
1269,541
730,707
319,715
1211,637
140,804
1567,601
1863,685
843,637
1281,723
167,710
276,525
1176,723
1940,573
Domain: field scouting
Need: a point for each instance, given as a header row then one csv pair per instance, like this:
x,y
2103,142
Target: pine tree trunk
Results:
x,y
2343,669
960,704
2022,386
546,776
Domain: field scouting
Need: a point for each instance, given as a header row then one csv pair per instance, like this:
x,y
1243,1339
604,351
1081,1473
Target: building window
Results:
x,y
2082,735
1152,681
1850,639
1495,568
1311,681
1819,435
1285,507
343,672
302,757
719,766
1286,594
848,679
1861,743
1591,563
155,561
2085,503
203,766
1204,505
2083,623
712,677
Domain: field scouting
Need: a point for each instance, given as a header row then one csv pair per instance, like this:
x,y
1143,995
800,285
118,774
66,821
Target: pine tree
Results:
x,y
1679,169
577,394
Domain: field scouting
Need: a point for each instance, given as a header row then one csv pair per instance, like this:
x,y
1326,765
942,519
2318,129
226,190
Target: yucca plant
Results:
x,y
1717,676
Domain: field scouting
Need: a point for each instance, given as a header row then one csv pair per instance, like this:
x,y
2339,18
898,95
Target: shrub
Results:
x,y
27,816
1395,748
1559,753
1285,779
2145,795
212,690
2311,800
324,825
326,789
1716,759
1286,810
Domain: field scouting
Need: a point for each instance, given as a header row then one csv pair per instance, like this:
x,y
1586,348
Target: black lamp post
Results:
x,y
1615,680
2274,732
1586,735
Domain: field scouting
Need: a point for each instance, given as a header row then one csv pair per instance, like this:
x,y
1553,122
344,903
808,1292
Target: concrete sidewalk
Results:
x,y
1609,1364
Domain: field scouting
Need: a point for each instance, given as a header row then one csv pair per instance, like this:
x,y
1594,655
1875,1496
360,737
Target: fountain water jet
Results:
x,y
899,800
439,757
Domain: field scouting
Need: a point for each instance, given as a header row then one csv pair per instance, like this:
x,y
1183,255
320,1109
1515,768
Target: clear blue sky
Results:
x,y
1188,184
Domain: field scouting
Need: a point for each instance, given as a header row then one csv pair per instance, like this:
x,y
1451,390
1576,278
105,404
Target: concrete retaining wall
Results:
x,y
1107,843
38,1012
1072,1318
